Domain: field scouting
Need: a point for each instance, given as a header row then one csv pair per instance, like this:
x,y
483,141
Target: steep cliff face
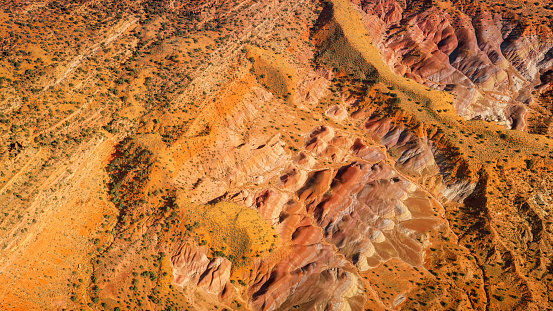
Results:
x,y
276,155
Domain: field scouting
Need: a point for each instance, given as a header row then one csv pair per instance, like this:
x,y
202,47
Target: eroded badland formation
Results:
x,y
276,155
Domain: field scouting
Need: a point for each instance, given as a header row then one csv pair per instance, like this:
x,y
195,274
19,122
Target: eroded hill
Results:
x,y
275,155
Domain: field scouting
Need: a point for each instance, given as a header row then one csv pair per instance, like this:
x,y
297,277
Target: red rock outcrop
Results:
x,y
488,59
313,274
369,211
192,268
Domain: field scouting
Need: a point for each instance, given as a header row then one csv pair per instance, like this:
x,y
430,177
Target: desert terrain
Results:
x,y
276,155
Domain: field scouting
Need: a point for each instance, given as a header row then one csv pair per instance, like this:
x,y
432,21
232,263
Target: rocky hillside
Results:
x,y
492,58
276,155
